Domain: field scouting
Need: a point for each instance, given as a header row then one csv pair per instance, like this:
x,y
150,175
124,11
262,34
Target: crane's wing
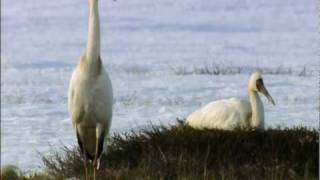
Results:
x,y
75,111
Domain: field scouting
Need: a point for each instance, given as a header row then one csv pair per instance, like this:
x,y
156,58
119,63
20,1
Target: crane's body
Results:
x,y
233,113
90,106
222,114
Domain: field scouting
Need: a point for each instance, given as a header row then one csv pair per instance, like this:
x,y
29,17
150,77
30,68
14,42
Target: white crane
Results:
x,y
234,113
90,96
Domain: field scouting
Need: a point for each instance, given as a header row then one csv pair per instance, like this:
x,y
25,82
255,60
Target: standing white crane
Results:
x,y
90,97
234,113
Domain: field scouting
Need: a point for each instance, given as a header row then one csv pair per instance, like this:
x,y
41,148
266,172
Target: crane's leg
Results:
x,y
85,159
95,161
85,165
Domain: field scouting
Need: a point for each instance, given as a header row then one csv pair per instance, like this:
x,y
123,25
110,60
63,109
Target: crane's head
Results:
x,y
256,84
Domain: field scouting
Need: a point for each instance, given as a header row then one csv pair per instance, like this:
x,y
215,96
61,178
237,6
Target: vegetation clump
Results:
x,y
180,152
216,70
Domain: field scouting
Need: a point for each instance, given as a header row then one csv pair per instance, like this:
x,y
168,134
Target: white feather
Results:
x,y
223,114
90,104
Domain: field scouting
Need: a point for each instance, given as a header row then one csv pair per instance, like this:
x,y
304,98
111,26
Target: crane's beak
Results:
x,y
264,91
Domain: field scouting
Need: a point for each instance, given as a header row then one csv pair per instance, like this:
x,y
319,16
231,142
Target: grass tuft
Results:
x,y
180,152
10,172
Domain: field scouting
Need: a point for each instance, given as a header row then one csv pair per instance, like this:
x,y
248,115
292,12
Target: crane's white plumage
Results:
x,y
233,113
90,97
90,105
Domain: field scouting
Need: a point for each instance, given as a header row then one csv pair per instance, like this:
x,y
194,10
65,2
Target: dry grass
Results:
x,y
215,69
180,152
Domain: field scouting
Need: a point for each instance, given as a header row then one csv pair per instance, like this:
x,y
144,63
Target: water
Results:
x,y
144,43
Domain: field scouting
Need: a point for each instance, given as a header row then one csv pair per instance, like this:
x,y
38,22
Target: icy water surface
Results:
x,y
161,56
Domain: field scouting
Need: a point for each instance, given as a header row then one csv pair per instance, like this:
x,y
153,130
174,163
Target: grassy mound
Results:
x,y
180,152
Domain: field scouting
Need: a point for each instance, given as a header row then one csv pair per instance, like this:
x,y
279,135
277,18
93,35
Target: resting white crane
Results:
x,y
234,113
90,97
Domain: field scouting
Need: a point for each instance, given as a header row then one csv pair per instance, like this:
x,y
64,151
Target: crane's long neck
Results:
x,y
257,120
93,44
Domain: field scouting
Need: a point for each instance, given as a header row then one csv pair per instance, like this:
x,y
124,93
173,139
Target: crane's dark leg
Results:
x,y
85,165
84,154
99,147
95,159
